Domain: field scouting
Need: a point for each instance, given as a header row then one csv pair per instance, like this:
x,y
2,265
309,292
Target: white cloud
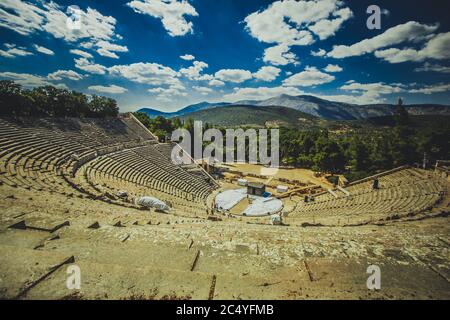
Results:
x,y
295,23
112,89
87,45
435,88
267,73
171,12
108,49
333,68
88,66
379,87
361,98
437,47
260,93
203,90
205,77
65,74
187,57
20,16
43,50
428,67
279,55
94,26
27,80
13,51
410,31
318,53
27,18
156,90
194,72
216,83
368,93
326,28
168,94
81,53
311,76
233,75
146,73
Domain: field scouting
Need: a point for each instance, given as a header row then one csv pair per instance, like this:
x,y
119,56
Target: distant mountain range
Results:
x,y
324,109
186,110
254,116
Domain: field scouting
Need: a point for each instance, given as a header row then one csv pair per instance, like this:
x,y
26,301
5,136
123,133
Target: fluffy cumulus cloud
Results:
x,y
203,90
361,98
94,26
28,80
168,94
111,89
187,57
326,28
233,75
81,53
333,68
368,93
311,76
171,12
205,77
318,53
365,93
194,72
267,73
279,55
429,67
108,49
89,66
11,51
379,87
260,93
437,47
295,23
65,74
146,73
43,50
216,83
407,32
41,16
20,16
430,89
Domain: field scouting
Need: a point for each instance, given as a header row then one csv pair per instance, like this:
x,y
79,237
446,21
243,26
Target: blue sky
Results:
x,y
166,54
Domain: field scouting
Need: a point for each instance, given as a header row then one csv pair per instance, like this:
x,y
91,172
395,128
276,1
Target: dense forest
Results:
x,y
357,152
48,101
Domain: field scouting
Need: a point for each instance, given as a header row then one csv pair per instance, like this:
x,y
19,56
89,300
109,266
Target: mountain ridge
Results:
x,y
315,106
254,116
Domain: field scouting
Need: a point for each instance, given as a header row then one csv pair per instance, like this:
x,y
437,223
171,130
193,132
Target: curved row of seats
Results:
x,y
145,167
44,154
404,192
99,183
166,150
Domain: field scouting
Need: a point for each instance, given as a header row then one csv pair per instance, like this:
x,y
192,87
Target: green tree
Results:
x,y
103,107
13,99
381,155
404,148
49,101
359,155
329,156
